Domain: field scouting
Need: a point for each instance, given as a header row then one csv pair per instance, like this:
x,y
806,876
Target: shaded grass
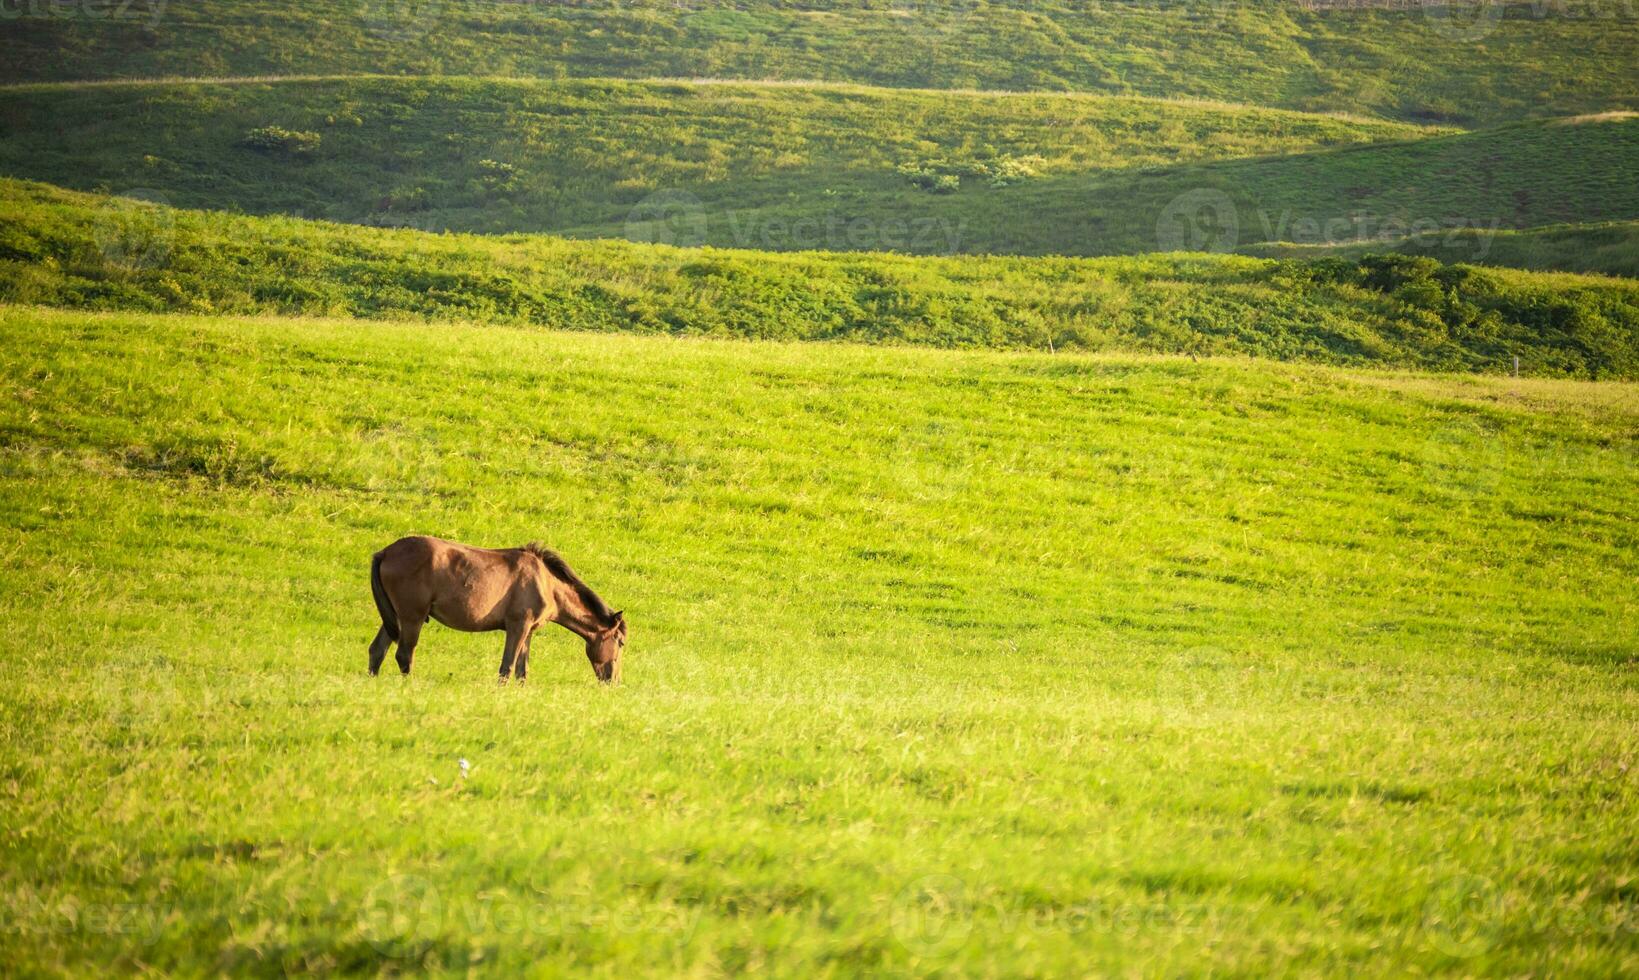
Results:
x,y
1455,191
515,155
1610,247
790,167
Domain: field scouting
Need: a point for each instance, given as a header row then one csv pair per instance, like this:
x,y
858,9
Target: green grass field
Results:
x,y
962,662
1518,61
1098,487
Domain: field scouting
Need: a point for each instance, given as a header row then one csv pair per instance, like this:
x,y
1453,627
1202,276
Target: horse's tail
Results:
x,y
384,605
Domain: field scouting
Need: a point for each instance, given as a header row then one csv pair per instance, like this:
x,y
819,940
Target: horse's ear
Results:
x,y
620,615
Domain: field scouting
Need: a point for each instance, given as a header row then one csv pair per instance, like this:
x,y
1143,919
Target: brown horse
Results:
x,y
483,589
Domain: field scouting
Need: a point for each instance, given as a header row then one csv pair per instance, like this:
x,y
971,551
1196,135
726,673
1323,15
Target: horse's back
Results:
x,y
413,552
459,585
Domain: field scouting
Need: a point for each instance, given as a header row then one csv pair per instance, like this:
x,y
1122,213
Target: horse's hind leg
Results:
x,y
378,649
409,633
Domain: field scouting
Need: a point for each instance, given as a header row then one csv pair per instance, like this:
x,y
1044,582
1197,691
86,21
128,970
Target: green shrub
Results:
x,y
943,177
276,141
494,175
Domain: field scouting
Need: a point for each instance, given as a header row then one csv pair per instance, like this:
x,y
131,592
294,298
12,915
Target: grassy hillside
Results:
x,y
1520,176
1536,60
1455,190
498,156
794,167
65,249
1611,248
976,663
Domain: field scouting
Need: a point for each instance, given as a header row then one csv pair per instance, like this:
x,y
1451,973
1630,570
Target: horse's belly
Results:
x,y
459,616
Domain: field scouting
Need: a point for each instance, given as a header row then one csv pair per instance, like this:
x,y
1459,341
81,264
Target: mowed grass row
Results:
x,y
969,662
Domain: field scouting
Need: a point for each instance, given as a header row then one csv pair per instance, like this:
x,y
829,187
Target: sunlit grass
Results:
x,y
976,662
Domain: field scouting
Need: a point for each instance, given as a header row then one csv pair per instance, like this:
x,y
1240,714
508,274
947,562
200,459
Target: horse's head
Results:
x,y
603,649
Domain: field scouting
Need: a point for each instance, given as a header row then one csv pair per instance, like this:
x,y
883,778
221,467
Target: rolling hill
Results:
x,y
781,167
68,249
1485,65
504,156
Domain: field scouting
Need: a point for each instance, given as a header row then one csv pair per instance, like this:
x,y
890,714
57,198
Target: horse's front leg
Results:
x,y
520,669
517,639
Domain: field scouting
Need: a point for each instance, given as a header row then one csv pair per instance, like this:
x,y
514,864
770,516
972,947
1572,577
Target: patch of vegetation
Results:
x,y
1283,669
66,249
281,142
943,177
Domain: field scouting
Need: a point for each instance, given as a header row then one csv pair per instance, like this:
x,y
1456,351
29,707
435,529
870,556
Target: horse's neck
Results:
x,y
573,614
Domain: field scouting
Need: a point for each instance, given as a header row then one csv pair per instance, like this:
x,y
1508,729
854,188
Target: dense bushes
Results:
x,y
1566,330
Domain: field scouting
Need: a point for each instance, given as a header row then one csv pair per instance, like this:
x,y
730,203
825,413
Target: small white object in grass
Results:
x,y
465,766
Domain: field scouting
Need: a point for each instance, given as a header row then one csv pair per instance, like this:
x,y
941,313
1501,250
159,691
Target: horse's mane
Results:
x,y
557,566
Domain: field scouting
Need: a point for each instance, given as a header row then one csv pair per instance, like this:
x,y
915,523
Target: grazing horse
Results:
x,y
482,589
